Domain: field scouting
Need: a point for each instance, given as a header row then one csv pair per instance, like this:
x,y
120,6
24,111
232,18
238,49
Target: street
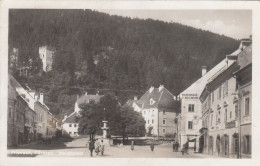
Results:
x,y
77,148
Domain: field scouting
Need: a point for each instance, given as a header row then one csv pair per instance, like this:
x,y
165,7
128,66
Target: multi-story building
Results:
x,y
12,94
191,106
244,82
69,123
220,112
47,54
35,103
159,109
220,115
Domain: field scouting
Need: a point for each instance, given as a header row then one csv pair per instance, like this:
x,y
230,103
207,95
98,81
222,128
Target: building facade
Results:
x,y
244,82
47,54
191,106
219,132
11,136
221,115
159,109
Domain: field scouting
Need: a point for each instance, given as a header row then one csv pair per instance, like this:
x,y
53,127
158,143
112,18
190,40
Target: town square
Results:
x,y
129,84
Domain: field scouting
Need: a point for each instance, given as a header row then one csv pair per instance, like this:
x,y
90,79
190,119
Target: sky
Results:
x,y
232,23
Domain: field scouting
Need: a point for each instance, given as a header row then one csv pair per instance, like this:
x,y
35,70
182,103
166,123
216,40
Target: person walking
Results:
x,y
97,147
176,146
102,148
152,146
173,146
91,147
132,145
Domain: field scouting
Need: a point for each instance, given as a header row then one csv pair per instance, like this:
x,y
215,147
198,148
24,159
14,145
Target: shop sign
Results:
x,y
231,124
190,96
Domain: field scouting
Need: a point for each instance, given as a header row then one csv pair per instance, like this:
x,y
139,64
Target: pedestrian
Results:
x,y
186,147
173,146
91,147
102,148
152,146
97,147
132,145
176,146
183,149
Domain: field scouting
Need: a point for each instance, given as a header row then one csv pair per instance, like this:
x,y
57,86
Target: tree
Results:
x,y
122,120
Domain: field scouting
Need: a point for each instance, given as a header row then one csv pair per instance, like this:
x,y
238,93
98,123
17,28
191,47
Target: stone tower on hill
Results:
x,y
47,54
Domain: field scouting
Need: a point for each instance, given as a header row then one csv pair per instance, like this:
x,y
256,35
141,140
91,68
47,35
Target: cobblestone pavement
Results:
x,y
77,148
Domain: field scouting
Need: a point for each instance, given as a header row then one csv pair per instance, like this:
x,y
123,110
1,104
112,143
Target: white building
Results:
x,y
46,54
191,106
159,109
69,123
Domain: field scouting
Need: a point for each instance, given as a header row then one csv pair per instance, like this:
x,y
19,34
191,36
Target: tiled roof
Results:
x,y
162,99
71,118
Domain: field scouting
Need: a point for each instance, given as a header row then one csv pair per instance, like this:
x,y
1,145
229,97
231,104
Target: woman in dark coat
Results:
x,y
91,147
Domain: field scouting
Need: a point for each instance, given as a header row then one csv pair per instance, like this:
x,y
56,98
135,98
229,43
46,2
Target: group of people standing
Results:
x,y
98,146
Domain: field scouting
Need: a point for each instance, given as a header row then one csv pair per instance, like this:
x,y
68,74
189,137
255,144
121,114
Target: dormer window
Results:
x,y
152,101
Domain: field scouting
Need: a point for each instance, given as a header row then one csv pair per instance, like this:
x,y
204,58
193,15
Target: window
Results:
x,y
236,111
225,88
70,125
10,112
191,108
225,115
219,92
164,121
212,96
230,116
247,144
163,112
211,119
152,121
163,130
190,125
147,121
247,106
75,125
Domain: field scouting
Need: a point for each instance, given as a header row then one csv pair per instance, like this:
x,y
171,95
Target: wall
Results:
x,y
74,130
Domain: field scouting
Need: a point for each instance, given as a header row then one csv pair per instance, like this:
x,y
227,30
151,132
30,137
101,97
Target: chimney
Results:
x,y
65,116
161,87
41,97
97,93
86,93
135,98
204,70
151,89
36,97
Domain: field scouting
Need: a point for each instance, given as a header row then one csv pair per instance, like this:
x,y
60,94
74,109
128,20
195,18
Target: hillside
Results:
x,y
96,50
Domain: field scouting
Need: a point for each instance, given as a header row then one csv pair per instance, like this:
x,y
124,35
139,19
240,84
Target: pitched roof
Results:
x,y
86,98
71,118
162,99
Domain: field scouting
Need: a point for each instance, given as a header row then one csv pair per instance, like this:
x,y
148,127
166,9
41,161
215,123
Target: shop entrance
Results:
x,y
225,146
218,145
210,145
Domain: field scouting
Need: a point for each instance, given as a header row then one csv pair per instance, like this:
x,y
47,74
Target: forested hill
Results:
x,y
130,54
